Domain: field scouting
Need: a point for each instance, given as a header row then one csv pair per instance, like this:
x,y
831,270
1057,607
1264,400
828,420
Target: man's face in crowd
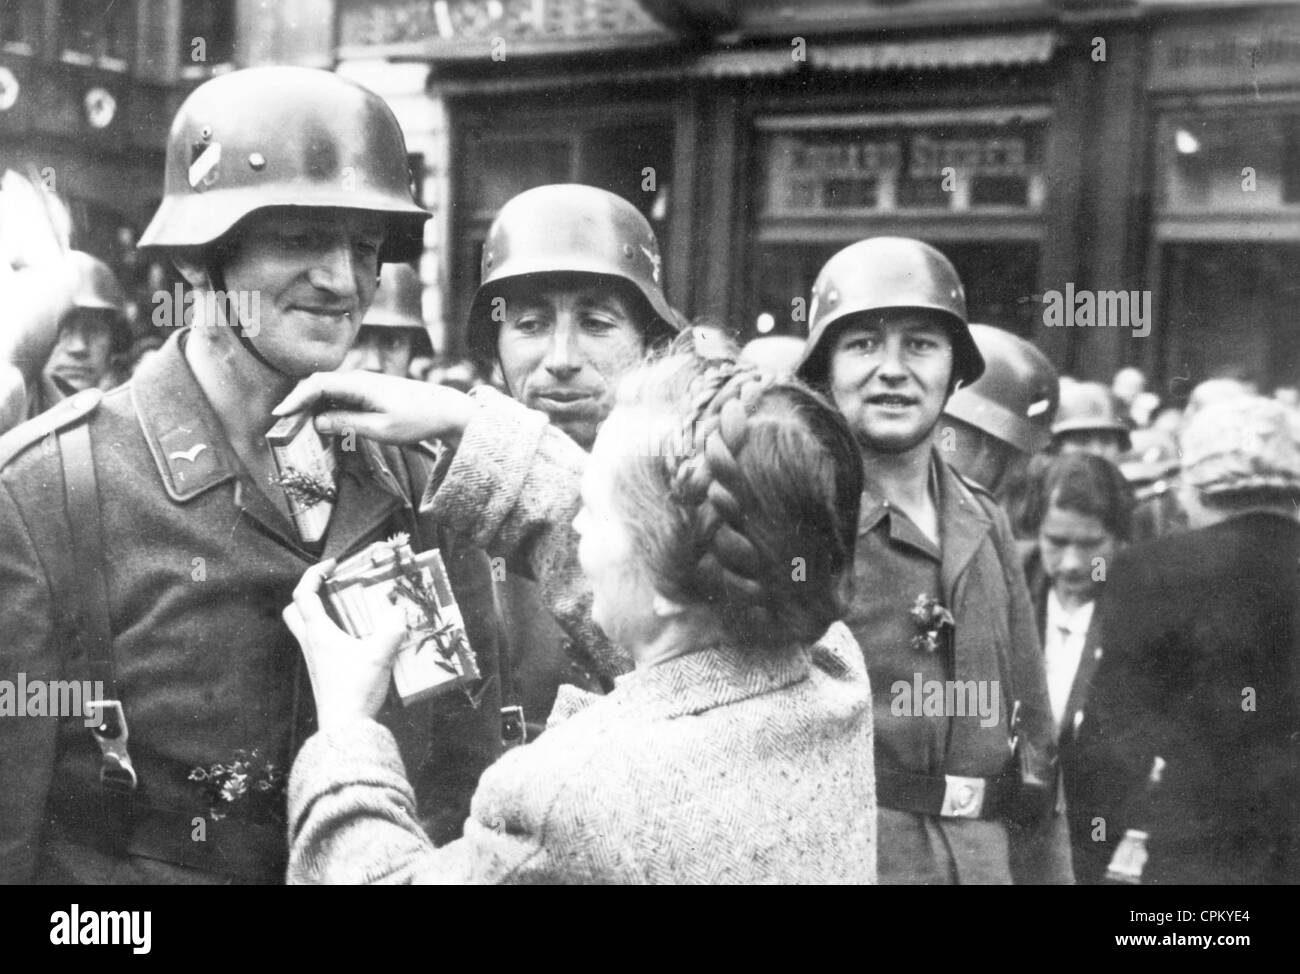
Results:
x,y
380,349
313,273
889,378
1069,543
81,353
563,348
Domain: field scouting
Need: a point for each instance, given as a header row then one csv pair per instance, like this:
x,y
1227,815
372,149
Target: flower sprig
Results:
x,y
247,785
932,620
305,489
446,637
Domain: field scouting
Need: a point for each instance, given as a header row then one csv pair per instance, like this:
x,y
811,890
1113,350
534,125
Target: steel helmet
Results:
x,y
570,229
1015,399
397,301
1089,407
398,304
880,274
279,136
96,288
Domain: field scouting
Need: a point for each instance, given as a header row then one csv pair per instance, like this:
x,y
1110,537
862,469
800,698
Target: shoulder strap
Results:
x,y
80,590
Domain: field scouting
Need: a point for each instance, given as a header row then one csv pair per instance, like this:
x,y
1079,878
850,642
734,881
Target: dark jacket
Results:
x,y
1202,636
200,564
1082,828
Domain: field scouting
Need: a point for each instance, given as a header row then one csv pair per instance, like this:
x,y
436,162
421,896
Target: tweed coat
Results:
x,y
513,490
200,564
719,766
1202,636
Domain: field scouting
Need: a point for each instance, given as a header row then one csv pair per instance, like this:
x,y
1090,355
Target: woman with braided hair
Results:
x,y
715,523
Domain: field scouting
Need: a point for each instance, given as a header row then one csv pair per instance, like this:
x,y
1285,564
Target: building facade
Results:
x,y
1138,147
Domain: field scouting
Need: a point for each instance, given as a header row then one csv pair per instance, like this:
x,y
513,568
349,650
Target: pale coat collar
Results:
x,y
696,682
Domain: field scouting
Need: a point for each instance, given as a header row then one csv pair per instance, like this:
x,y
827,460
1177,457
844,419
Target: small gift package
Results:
x,y
305,466
435,654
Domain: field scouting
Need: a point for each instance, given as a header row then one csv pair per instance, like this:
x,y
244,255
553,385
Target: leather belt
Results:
x,y
947,796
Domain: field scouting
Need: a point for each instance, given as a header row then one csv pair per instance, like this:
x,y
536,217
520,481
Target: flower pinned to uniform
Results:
x,y
932,620
247,785
305,489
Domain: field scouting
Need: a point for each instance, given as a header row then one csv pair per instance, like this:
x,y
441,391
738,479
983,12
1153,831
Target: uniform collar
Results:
x,y
963,524
184,434
193,455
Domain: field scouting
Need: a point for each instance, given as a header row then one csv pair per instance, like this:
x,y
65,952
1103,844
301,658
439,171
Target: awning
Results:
x,y
991,50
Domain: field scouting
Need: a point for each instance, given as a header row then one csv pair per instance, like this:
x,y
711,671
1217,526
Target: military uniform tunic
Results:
x,y
200,563
974,573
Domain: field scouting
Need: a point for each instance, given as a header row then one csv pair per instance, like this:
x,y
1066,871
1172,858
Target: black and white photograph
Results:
x,y
677,442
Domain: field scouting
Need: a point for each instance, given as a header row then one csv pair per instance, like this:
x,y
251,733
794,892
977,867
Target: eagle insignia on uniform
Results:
x,y
191,454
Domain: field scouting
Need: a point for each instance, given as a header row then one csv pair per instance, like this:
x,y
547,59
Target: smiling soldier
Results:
x,y
938,590
147,543
571,298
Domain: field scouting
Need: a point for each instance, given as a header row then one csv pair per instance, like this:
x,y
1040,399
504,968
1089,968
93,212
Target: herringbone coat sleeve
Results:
x,y
27,744
352,821
513,490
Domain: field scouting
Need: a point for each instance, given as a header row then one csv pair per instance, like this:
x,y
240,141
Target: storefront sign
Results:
x,y
902,169
1265,54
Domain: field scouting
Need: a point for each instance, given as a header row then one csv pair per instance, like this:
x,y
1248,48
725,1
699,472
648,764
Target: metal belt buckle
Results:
x,y
962,797
116,772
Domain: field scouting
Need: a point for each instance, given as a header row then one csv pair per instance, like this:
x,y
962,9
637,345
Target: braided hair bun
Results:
x,y
745,498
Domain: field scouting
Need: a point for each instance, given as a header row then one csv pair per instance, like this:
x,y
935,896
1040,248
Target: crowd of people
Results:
x,y
893,603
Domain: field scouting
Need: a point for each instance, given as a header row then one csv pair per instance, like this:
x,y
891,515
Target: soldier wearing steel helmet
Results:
x,y
939,597
91,328
1089,420
149,550
991,427
393,331
571,297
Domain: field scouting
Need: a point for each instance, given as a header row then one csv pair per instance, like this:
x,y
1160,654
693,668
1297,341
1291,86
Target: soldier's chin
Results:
x,y
580,429
889,442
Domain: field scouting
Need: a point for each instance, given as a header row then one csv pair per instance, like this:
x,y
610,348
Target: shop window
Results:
x,y
207,36
97,32
1232,162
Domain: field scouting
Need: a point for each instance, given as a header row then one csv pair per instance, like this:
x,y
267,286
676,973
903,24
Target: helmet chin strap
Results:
x,y
217,279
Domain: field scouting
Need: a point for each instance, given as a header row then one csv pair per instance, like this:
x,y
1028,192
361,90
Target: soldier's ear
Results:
x,y
193,270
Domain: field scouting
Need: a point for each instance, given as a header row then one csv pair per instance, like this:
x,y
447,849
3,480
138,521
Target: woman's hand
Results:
x,y
382,407
349,676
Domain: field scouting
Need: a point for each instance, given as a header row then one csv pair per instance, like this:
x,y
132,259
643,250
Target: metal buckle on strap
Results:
x,y
513,729
962,797
116,772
